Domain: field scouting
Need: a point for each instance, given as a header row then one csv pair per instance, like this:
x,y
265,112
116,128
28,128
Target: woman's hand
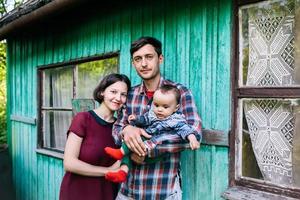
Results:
x,y
114,167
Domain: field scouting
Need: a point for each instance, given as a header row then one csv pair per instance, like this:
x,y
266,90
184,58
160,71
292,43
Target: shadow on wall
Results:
x,y
6,186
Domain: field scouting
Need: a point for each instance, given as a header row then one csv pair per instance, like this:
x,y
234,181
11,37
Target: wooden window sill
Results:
x,y
238,193
50,153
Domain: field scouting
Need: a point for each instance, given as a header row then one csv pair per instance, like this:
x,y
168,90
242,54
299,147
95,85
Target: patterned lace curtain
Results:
x,y
271,122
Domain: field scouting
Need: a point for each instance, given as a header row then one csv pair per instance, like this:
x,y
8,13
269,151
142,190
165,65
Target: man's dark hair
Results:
x,y
142,41
106,82
171,88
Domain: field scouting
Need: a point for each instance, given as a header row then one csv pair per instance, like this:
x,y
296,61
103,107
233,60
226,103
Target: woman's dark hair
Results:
x,y
107,81
171,88
142,41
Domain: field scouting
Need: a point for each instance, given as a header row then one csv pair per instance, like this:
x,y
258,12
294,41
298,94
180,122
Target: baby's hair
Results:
x,y
171,88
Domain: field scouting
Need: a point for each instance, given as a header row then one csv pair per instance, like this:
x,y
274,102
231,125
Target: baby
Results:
x,y
162,118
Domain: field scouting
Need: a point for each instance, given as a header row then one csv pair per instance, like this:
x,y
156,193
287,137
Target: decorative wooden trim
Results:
x,y
215,137
26,120
237,193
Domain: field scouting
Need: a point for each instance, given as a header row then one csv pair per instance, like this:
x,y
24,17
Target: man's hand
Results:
x,y
137,159
132,138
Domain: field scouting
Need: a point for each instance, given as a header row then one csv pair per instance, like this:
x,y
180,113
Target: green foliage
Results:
x,y
5,6
2,93
8,5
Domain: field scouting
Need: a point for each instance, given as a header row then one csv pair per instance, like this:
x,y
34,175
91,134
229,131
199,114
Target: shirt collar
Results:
x,y
142,88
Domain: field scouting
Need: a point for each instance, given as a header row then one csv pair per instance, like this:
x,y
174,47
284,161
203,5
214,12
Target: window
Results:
x,y
60,89
266,150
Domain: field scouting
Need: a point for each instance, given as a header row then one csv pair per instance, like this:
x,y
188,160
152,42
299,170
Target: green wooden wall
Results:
x,y
196,37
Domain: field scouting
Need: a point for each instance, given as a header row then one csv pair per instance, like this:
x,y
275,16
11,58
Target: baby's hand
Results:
x,y
131,118
194,144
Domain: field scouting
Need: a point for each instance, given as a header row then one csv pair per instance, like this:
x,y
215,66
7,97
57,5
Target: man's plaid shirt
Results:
x,y
156,180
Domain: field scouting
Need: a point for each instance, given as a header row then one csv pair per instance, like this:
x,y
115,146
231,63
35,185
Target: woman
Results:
x,y
85,161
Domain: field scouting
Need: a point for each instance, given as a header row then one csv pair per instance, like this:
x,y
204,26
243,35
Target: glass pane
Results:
x,y
90,73
269,44
55,127
58,87
271,140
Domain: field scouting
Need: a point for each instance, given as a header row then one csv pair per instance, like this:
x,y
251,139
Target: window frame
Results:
x,y
73,63
260,186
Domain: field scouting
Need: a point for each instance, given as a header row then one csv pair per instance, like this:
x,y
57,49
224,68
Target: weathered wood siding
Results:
x,y
196,37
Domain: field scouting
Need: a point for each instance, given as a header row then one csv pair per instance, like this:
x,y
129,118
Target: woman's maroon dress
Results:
x,y
96,134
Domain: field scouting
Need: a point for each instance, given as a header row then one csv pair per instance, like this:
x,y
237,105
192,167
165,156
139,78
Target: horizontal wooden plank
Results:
x,y
57,108
238,193
292,92
215,137
50,153
23,119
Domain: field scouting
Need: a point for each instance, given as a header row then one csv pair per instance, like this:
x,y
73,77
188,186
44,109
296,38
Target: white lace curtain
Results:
x,y
272,122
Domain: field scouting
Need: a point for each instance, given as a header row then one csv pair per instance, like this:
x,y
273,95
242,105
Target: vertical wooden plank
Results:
x,y
147,11
25,101
223,80
214,172
196,30
46,182
86,38
33,133
206,67
19,159
214,56
136,32
125,58
205,173
49,48
61,47
170,47
18,73
189,175
108,45
27,164
136,21
28,67
221,164
183,31
209,64
116,33
93,40
41,51
74,44
80,43
158,22
40,178
67,37
56,183
51,177
100,36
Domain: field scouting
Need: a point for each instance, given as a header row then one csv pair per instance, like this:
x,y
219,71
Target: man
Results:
x,y
159,180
